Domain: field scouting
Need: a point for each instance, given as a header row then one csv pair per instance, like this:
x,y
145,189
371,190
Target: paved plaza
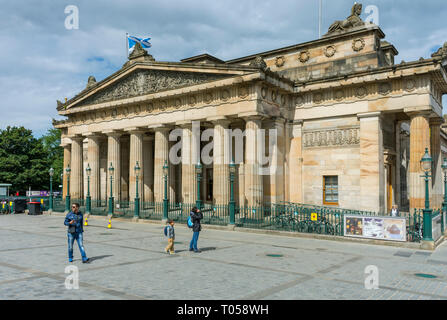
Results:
x,y
128,262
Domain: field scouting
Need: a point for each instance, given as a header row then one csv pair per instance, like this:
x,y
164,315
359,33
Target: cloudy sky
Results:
x,y
41,61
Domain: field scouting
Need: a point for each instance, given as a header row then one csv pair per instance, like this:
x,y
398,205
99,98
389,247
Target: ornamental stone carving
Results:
x,y
304,56
318,97
258,62
274,95
384,88
329,51
225,94
299,101
410,85
280,61
361,92
243,91
192,100
208,97
339,95
144,82
264,92
358,45
283,100
332,138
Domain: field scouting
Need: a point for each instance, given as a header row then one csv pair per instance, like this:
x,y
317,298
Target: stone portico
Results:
x,y
347,118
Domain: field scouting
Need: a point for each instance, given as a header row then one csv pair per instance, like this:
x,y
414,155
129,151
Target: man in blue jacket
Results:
x,y
75,232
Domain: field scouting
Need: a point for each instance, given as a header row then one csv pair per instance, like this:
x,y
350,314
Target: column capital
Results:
x,y
113,133
76,137
135,130
436,121
367,115
422,113
159,127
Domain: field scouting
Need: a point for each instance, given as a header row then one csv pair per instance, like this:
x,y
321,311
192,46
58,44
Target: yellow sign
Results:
x,y
10,204
314,216
41,201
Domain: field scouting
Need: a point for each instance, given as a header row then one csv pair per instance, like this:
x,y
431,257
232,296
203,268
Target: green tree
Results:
x,y
51,143
24,161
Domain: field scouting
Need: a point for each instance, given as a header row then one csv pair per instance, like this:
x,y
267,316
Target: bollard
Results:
x,y
86,221
11,205
109,226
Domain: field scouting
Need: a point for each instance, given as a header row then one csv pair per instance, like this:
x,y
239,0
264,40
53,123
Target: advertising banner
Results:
x,y
379,228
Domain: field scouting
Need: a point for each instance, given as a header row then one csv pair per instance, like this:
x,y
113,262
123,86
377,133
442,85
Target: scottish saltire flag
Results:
x,y
132,41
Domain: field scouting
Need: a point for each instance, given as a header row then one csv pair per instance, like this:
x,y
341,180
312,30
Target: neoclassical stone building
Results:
x,y
352,125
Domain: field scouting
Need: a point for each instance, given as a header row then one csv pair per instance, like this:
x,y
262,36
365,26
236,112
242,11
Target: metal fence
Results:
x,y
285,216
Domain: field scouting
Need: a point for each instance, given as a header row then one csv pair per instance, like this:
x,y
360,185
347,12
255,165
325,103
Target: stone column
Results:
x,y
419,140
125,153
287,142
437,180
253,179
221,162
76,177
172,177
161,155
93,161
67,162
372,179
277,165
136,155
114,157
190,147
295,180
241,185
148,170
398,191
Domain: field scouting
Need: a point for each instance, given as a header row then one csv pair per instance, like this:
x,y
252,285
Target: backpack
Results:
x,y
189,222
165,230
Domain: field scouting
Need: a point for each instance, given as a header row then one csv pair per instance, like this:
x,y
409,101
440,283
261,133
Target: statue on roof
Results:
x,y
442,52
352,21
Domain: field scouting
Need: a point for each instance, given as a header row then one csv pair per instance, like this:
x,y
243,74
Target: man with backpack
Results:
x,y
194,224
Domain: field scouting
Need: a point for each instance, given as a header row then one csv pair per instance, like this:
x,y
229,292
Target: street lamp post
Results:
x,y
88,171
426,163
50,204
67,197
444,203
232,204
111,170
165,199
199,180
137,198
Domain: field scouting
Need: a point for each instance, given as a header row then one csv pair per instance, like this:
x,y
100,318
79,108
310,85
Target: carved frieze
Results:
x,y
144,82
280,61
332,138
384,88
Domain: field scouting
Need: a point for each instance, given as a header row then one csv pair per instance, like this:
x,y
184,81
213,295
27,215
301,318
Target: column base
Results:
x,y
135,219
231,227
428,245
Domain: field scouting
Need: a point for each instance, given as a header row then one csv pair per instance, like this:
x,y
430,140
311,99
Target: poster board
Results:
x,y
378,228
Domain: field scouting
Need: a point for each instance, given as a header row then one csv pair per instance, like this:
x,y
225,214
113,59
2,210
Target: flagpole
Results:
x,y
319,21
127,45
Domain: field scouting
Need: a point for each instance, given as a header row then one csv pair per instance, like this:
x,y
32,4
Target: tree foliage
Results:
x,y
25,161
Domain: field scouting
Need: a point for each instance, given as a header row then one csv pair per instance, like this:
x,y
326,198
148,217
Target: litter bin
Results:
x,y
34,208
19,205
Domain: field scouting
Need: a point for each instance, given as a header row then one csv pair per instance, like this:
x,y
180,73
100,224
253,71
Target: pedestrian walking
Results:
x,y
196,216
75,232
170,233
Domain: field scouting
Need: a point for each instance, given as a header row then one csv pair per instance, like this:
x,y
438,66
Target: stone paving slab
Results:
x,y
128,262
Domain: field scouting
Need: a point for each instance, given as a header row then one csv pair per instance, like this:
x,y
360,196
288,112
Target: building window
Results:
x,y
330,190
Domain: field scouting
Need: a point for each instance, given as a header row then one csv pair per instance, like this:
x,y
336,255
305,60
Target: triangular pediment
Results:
x,y
143,82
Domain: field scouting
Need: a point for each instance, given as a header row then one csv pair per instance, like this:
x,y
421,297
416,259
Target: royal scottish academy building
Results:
x,y
351,123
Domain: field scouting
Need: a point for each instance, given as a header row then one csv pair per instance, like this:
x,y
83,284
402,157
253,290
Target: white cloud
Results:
x,y
41,61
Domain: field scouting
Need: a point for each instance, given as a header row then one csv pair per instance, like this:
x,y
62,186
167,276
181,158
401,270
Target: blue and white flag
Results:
x,y
132,41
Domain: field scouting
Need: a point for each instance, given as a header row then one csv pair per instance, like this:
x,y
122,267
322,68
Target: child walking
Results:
x,y
170,233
